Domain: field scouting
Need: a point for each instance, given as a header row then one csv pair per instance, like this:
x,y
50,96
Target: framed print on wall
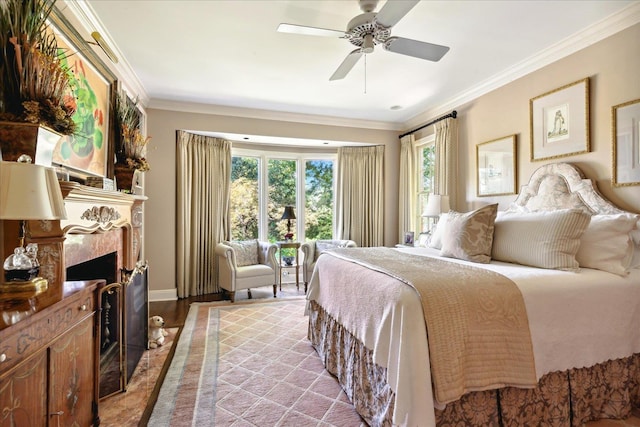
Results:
x,y
89,151
559,122
625,133
496,166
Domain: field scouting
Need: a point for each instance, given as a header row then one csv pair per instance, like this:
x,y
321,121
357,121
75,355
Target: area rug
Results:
x,y
249,364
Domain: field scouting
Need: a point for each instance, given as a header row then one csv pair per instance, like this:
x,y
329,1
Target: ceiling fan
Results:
x,y
369,29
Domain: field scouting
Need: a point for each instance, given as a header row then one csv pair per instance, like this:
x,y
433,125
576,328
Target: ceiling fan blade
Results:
x,y
309,31
347,65
393,11
415,48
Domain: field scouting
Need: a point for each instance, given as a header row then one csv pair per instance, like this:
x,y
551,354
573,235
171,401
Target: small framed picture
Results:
x,y
625,127
496,167
559,122
408,238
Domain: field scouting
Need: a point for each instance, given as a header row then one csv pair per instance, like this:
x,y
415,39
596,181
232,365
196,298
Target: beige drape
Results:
x,y
360,195
202,191
408,186
446,164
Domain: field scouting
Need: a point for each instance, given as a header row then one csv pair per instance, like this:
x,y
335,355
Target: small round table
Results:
x,y
296,264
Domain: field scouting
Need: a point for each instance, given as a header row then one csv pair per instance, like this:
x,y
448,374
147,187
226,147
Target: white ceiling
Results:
x,y
227,54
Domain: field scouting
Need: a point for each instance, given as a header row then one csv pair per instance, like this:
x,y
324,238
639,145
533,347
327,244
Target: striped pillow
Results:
x,y
548,239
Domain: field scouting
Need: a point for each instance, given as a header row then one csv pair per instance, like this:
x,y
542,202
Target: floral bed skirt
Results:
x,y
569,398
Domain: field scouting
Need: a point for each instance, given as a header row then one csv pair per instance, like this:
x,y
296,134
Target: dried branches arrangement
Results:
x,y
35,83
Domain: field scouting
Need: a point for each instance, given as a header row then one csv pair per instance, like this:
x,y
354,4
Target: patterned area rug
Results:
x,y
249,364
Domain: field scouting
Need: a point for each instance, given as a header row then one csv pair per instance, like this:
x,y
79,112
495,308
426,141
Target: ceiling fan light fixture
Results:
x,y
367,44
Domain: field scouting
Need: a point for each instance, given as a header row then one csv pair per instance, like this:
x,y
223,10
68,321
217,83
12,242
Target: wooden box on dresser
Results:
x,y
48,349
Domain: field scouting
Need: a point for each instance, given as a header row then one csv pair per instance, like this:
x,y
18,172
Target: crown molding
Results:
x,y
87,19
607,27
251,113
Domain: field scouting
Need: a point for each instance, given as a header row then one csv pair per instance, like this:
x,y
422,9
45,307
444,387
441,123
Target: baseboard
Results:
x,y
163,295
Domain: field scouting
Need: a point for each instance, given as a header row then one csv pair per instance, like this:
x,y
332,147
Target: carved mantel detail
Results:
x,y
101,214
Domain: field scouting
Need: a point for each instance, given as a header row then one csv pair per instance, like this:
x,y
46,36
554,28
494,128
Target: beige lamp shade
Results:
x,y
436,205
29,192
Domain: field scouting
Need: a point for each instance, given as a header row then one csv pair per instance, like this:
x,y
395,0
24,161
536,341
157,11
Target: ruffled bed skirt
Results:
x,y
569,398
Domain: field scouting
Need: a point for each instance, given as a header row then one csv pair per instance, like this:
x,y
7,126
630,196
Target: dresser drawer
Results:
x,y
27,337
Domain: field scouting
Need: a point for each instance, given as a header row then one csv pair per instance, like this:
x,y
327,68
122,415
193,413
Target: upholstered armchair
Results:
x,y
246,264
312,250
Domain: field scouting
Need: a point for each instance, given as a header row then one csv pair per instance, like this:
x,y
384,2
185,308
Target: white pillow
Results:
x,y
606,243
246,252
436,235
545,239
468,236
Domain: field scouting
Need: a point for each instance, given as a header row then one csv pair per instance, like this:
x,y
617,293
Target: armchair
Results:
x,y
312,250
246,264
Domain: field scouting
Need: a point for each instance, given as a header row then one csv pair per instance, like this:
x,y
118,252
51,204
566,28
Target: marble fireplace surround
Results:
x,y
98,222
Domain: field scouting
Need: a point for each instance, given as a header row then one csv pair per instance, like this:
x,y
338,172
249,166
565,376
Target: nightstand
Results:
x,y
295,264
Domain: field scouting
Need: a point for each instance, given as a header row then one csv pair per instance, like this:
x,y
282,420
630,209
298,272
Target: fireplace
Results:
x,y
100,239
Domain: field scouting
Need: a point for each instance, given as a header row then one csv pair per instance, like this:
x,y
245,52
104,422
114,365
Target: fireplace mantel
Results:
x,y
98,222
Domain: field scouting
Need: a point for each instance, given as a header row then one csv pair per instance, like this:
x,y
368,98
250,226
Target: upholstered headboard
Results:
x,y
561,186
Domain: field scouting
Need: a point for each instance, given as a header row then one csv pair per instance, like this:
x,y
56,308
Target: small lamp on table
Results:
x,y
436,205
27,192
288,214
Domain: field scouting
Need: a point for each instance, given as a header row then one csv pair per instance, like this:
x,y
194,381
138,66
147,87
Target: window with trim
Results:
x,y
263,183
426,160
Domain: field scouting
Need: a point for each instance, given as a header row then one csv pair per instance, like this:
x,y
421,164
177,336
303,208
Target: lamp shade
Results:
x,y
436,205
288,213
29,192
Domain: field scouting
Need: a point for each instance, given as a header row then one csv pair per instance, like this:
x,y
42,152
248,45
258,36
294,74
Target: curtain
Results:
x,y
408,186
360,195
446,164
202,217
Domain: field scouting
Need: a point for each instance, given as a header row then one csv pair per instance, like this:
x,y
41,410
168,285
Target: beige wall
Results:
x,y
612,66
160,214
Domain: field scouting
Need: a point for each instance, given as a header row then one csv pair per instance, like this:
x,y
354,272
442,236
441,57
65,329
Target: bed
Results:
x,y
574,356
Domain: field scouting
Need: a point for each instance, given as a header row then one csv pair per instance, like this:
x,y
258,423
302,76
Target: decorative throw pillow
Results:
x,y
469,236
546,239
246,252
606,243
435,241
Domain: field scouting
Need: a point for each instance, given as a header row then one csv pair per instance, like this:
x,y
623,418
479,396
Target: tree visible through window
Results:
x,y
427,161
318,199
243,208
284,178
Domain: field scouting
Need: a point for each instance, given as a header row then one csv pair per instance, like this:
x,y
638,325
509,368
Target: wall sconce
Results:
x,y
288,214
27,192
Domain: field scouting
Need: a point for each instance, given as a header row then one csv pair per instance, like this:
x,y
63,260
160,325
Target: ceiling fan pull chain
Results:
x,y
365,74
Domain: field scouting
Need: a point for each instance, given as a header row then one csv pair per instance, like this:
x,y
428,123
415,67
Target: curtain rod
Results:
x,y
452,114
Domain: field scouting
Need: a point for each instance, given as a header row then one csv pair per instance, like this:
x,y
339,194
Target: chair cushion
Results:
x,y
246,252
254,271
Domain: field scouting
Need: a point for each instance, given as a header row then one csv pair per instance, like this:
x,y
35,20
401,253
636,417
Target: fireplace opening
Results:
x,y
111,322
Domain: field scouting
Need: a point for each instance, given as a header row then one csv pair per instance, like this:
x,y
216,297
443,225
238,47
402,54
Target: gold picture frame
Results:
x,y
89,152
559,122
625,136
496,167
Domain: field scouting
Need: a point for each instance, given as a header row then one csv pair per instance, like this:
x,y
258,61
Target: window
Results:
x,y
426,160
243,208
318,206
263,183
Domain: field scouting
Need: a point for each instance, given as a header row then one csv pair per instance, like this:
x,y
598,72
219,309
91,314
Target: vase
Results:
x,y
124,176
36,141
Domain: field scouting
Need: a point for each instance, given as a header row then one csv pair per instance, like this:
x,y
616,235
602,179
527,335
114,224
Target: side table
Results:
x,y
296,264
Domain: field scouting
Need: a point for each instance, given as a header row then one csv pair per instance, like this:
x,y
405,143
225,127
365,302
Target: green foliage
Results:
x,y
281,192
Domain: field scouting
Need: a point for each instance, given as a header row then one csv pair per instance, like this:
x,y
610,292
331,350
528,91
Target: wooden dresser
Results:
x,y
48,348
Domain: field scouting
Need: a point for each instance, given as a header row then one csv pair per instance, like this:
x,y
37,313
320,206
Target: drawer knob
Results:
x,y
83,307
3,357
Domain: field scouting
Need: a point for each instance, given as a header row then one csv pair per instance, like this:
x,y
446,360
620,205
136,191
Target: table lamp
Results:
x,y
436,205
27,192
288,214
